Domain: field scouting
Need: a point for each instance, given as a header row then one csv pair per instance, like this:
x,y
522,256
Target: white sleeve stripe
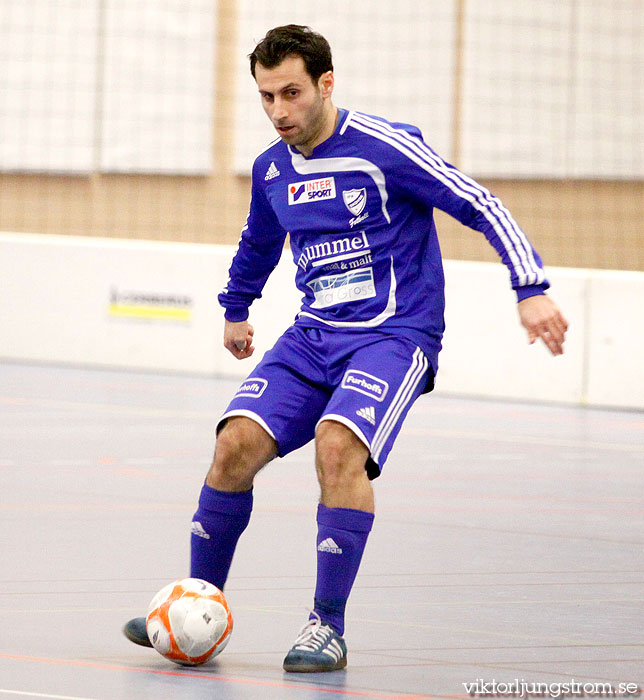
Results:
x,y
517,266
516,233
511,236
346,122
533,273
520,242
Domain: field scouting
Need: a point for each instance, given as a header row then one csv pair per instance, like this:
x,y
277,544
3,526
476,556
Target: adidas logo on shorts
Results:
x,y
329,545
272,171
368,413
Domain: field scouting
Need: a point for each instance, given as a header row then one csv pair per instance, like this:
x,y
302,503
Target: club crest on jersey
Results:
x,y
311,191
355,200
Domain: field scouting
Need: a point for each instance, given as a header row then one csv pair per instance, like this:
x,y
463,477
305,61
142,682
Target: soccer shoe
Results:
x,y
318,648
136,631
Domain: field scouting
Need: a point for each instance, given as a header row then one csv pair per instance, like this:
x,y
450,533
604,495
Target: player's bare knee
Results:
x,y
242,449
340,456
229,465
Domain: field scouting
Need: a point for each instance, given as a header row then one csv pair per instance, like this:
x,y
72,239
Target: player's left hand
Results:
x,y
541,317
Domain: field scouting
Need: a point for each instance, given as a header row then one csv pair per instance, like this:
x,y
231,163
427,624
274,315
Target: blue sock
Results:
x,y
342,536
220,519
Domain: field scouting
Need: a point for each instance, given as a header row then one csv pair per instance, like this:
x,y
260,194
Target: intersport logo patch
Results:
x,y
311,191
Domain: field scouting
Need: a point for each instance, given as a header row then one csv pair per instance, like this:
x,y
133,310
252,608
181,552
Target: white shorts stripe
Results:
x,y
398,404
419,374
247,414
377,438
401,399
349,424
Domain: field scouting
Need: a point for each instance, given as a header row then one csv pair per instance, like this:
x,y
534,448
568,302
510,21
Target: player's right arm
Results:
x,y
260,248
238,339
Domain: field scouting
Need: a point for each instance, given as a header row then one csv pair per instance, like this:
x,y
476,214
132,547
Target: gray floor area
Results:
x,y
508,545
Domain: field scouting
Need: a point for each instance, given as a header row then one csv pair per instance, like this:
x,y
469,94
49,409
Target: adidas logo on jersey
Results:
x,y
368,413
272,171
197,529
329,545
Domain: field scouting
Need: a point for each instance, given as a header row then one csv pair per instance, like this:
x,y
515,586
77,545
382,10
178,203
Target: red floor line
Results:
x,y
246,681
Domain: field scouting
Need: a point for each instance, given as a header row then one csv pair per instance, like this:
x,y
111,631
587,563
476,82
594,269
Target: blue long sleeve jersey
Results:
x,y
359,211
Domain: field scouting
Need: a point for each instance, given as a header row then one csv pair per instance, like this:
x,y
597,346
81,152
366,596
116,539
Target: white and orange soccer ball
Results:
x,y
189,621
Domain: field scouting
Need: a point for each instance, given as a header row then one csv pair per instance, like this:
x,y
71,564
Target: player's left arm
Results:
x,y
541,318
431,180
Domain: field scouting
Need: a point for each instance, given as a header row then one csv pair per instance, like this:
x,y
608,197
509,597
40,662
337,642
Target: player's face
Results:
x,y
300,110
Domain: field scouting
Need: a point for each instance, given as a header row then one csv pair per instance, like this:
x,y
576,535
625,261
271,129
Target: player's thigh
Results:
x,y
376,391
283,394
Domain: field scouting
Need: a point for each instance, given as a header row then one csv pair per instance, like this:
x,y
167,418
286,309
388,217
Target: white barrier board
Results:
x,y
153,306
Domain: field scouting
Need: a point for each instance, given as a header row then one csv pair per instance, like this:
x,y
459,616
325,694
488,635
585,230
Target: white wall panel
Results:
x,y
485,348
616,339
607,127
58,296
553,88
101,302
516,88
58,293
391,59
158,86
48,85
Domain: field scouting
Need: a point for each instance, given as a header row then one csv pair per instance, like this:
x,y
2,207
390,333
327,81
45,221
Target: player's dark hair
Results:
x,y
293,40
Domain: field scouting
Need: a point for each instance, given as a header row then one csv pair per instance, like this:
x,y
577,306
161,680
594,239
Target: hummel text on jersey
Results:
x,y
329,545
272,171
331,251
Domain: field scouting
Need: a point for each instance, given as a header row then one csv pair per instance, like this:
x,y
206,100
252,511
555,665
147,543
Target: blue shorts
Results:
x,y
367,381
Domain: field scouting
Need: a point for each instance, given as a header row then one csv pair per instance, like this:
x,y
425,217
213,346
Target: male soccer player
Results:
x,y
356,194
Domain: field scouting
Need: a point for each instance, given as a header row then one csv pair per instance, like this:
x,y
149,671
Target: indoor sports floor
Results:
x,y
508,545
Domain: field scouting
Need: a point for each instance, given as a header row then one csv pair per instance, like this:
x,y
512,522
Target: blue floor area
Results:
x,y
508,546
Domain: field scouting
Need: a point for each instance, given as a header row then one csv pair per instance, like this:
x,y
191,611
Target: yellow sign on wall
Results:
x,y
150,306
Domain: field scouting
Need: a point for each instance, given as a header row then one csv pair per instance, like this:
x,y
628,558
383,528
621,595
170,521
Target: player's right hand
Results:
x,y
238,339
